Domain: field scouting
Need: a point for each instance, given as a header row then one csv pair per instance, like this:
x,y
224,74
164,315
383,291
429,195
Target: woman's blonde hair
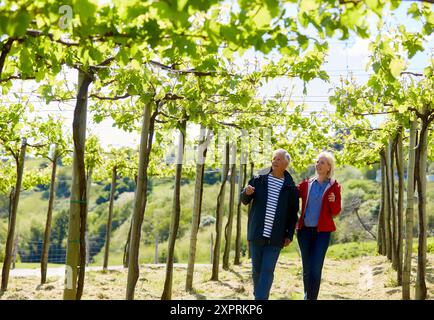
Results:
x,y
331,160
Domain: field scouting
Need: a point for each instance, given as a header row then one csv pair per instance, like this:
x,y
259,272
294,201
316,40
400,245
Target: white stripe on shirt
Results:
x,y
274,187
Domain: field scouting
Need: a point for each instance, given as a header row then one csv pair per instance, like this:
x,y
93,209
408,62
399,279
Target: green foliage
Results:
x,y
93,153
370,188
431,168
207,221
162,256
352,250
348,173
63,188
59,233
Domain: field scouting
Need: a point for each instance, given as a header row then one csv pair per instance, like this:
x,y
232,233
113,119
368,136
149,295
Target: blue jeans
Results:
x,y
264,259
313,247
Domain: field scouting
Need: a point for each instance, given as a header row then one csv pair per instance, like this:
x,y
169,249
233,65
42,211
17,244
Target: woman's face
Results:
x,y
322,166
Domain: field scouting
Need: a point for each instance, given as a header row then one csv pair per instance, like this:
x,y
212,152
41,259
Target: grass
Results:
x,y
342,279
350,250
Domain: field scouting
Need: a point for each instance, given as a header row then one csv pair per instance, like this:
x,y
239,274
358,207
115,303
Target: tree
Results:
x,y
409,213
58,146
228,228
167,292
197,203
14,136
241,183
116,164
220,213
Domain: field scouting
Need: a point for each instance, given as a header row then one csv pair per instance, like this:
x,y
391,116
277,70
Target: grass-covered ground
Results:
x,y
367,277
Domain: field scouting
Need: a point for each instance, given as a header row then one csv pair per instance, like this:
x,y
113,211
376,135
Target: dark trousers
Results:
x,y
264,259
313,247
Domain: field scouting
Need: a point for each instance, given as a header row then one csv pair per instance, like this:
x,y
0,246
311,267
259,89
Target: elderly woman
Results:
x,y
271,221
321,201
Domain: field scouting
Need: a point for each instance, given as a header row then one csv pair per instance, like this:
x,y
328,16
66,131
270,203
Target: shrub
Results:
x,y
162,256
369,187
207,221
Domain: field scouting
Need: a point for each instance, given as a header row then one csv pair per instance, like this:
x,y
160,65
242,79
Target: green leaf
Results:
x,y
414,11
85,10
18,23
262,18
396,67
181,4
402,108
376,66
307,5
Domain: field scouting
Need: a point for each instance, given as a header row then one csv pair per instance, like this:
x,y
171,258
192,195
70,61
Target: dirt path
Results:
x,y
360,278
60,271
52,272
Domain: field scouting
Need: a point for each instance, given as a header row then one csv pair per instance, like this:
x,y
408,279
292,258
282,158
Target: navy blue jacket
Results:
x,y
285,217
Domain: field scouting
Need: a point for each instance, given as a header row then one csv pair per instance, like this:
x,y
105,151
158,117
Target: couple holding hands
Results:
x,y
273,219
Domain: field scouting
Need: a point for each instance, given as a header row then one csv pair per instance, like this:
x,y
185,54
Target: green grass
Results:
x,y
350,250
343,251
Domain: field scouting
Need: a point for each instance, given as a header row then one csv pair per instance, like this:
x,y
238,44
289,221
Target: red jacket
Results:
x,y
328,209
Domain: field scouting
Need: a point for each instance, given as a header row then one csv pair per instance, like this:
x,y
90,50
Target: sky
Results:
x,y
345,57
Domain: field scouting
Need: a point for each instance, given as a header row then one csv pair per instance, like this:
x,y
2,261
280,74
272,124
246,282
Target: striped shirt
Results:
x,y
274,186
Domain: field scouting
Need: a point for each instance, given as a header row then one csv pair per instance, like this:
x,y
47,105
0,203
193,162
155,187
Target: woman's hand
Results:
x,y
332,197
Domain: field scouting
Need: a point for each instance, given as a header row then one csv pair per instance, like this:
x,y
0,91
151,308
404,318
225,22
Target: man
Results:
x,y
272,220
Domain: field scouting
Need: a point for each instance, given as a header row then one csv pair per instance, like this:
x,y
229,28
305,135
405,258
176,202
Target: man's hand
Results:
x,y
249,190
287,242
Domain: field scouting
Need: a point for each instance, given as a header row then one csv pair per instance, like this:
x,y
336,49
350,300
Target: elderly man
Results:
x,y
272,220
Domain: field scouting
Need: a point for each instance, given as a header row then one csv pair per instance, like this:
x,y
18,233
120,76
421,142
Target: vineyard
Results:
x,y
128,130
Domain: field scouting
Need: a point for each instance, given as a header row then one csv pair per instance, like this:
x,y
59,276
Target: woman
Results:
x,y
321,201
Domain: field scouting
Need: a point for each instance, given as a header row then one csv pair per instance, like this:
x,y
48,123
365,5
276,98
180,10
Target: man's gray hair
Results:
x,y
284,153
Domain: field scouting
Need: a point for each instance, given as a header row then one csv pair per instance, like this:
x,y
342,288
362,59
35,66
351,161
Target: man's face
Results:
x,y
279,162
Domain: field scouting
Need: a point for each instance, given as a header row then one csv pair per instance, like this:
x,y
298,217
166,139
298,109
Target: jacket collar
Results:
x,y
288,178
332,181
